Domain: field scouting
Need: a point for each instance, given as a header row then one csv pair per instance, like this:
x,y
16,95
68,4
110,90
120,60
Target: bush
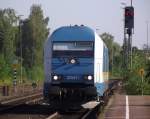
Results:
x,y
36,73
134,85
5,71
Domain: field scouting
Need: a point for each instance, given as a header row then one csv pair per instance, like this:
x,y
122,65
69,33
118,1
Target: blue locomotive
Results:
x,y
76,63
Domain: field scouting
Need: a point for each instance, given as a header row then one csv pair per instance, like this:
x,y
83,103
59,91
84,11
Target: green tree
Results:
x,y
33,32
114,53
25,44
39,32
147,76
8,31
5,70
138,60
108,39
134,83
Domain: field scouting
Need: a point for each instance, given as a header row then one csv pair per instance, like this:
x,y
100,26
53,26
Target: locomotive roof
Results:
x,y
73,33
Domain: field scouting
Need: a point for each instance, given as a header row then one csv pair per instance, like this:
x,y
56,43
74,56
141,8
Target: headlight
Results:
x,y
72,61
89,77
55,77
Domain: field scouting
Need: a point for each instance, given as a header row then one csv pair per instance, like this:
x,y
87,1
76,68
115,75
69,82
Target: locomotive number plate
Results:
x,y
72,77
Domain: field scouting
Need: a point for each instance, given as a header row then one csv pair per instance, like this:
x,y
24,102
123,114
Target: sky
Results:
x,y
101,15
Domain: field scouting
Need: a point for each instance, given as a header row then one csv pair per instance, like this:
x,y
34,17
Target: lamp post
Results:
x,y
20,37
147,23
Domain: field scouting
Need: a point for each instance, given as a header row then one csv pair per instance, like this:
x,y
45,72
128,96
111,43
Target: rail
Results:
x,y
12,103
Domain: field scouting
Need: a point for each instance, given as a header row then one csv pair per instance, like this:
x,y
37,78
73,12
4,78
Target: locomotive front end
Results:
x,y
72,63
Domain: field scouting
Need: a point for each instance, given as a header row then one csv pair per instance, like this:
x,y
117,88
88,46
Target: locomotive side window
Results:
x,y
81,49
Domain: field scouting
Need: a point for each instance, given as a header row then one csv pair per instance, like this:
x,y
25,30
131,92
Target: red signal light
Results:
x,y
129,17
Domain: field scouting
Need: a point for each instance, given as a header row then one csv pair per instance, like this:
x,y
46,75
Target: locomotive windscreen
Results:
x,y
73,49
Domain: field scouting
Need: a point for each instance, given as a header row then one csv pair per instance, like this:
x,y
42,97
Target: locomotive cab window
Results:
x,y
81,49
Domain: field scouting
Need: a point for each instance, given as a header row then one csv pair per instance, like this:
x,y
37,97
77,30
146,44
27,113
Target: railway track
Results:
x,y
14,102
20,95
89,110
31,106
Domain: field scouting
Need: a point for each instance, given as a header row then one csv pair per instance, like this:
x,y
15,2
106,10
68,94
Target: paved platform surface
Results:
x,y
128,107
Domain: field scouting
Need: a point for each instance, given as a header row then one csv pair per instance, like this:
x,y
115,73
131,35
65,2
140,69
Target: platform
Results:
x,y
128,107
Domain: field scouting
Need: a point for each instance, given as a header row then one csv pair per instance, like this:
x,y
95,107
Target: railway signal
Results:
x,y
129,17
15,72
15,77
14,66
128,31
